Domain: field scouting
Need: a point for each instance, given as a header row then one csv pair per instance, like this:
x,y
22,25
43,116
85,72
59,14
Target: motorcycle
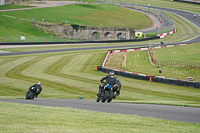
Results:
x,y
115,90
32,93
106,94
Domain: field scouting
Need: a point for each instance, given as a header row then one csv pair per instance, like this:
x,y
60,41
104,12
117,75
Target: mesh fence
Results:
x,y
195,65
189,64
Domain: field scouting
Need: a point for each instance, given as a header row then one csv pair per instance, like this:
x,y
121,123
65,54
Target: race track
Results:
x,y
176,113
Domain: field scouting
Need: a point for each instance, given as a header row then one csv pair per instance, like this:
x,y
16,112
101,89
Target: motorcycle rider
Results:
x,y
38,86
110,79
117,87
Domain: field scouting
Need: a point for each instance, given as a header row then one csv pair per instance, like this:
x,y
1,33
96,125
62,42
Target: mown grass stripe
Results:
x,y
164,95
61,81
16,73
57,67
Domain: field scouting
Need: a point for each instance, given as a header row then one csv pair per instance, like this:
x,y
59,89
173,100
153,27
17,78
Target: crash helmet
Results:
x,y
112,73
39,83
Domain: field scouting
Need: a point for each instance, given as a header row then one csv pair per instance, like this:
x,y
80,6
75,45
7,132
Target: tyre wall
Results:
x,y
150,78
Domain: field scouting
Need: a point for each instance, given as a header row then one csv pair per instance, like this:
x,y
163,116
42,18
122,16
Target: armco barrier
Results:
x,y
163,35
149,77
189,1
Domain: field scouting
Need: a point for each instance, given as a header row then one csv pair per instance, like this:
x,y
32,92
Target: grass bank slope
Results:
x,y
167,4
20,118
73,74
189,52
13,23
139,62
5,7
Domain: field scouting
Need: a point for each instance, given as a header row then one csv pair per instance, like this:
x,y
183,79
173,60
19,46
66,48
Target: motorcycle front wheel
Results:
x,y
98,99
110,97
29,95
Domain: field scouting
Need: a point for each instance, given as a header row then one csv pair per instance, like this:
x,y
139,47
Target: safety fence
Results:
x,y
177,63
157,62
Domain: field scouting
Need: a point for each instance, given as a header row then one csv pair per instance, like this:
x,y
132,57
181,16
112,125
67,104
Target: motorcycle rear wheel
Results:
x,y
105,96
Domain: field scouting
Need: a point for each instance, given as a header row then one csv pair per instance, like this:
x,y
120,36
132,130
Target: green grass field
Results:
x,y
183,28
90,14
189,52
15,117
138,62
13,26
166,4
72,74
5,7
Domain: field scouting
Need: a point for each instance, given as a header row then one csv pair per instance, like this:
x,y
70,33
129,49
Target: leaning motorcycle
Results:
x,y
31,93
106,94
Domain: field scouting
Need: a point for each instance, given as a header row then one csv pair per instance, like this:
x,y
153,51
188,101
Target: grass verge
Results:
x,y
167,4
83,14
29,118
73,74
138,62
11,6
189,52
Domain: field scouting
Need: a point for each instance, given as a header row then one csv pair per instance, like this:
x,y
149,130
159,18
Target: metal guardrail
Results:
x,y
189,1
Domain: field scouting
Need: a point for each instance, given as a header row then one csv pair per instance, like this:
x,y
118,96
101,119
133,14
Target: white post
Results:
x,y
173,57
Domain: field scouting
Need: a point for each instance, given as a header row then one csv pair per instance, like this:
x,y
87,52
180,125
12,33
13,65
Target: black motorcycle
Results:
x,y
32,93
106,94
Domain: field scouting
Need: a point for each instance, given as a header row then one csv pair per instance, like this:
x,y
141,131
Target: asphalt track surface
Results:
x,y
177,113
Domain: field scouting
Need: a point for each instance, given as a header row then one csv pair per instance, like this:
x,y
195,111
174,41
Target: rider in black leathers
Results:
x,y
111,80
39,88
